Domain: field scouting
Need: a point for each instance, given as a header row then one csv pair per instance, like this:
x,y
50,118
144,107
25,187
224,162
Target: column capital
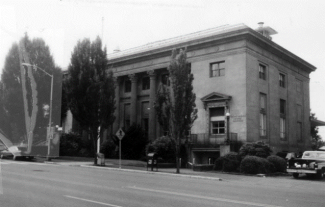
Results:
x,y
133,77
152,74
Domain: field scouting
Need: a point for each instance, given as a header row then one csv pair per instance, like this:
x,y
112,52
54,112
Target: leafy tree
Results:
x,y
90,87
37,53
175,105
317,141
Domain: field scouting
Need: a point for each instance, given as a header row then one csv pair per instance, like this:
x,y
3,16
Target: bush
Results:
x,y
133,143
255,165
218,164
279,163
164,147
108,149
268,167
282,154
258,149
228,163
70,144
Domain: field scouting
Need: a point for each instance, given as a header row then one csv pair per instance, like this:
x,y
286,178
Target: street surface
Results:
x,y
40,184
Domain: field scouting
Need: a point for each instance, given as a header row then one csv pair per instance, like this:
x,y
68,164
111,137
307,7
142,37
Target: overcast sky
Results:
x,y
131,23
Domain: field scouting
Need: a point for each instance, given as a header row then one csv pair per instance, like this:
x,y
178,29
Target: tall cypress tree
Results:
x,y
90,88
175,105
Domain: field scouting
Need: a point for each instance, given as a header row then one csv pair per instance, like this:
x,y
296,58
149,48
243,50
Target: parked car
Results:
x,y
4,152
311,163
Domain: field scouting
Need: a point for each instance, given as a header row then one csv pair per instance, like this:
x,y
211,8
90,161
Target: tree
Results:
x,y
89,88
34,52
317,141
175,105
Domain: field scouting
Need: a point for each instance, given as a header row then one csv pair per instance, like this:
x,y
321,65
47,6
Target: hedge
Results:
x,y
228,163
256,165
279,163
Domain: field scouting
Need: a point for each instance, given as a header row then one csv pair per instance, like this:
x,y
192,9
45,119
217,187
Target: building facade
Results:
x,y
247,88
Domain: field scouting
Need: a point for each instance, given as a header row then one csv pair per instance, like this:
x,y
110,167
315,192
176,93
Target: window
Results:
x,y
299,122
217,127
145,83
299,131
145,117
217,69
165,79
298,85
127,86
282,80
282,108
217,120
127,115
282,119
262,114
262,71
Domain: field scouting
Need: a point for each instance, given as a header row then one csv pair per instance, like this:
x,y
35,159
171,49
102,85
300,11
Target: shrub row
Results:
x,y
252,159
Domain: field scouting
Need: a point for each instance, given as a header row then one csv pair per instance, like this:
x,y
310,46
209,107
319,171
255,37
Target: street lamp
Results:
x,y
35,67
228,138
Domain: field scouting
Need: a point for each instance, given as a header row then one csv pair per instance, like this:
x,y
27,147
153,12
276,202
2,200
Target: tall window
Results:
x,y
299,122
145,83
127,115
165,79
263,114
127,86
282,119
145,117
217,69
298,85
217,120
282,80
262,71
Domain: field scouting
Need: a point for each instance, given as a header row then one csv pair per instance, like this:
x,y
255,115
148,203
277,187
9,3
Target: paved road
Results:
x,y
37,184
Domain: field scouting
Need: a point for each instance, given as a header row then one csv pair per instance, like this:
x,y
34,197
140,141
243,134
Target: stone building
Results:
x,y
248,88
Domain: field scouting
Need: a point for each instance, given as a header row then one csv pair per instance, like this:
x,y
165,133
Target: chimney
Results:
x,y
260,24
265,31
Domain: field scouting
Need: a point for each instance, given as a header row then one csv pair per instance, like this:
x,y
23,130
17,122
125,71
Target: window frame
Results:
x,y
299,86
165,79
218,128
262,71
145,83
127,85
217,72
263,115
282,80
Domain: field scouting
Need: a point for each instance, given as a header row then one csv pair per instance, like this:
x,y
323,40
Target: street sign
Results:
x,y
120,134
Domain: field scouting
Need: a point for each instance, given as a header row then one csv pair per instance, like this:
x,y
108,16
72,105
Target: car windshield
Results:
x,y
314,155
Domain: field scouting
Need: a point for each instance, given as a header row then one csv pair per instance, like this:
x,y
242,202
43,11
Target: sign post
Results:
x,y
120,134
98,140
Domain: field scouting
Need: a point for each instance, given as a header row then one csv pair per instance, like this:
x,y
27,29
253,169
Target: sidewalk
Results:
x,y
141,167
130,165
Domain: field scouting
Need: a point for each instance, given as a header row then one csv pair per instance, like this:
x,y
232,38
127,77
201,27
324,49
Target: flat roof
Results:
x,y
212,34
177,40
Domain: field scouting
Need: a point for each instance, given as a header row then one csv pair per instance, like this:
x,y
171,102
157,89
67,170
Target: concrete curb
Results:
x,y
152,172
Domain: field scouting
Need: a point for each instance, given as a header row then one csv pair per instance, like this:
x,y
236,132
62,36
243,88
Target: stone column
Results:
x,y
134,86
116,124
152,113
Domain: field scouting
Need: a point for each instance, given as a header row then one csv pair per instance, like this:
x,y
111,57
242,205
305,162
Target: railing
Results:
x,y
210,141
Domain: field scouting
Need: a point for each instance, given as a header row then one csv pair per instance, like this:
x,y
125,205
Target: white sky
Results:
x,y
132,23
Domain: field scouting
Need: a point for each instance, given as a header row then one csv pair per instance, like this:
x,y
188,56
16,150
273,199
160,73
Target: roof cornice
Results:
x,y
204,39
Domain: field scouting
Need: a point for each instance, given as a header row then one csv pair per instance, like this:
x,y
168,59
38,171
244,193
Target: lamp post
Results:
x,y
228,138
35,67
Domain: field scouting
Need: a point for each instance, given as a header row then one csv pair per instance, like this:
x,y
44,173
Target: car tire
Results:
x,y
320,174
295,175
